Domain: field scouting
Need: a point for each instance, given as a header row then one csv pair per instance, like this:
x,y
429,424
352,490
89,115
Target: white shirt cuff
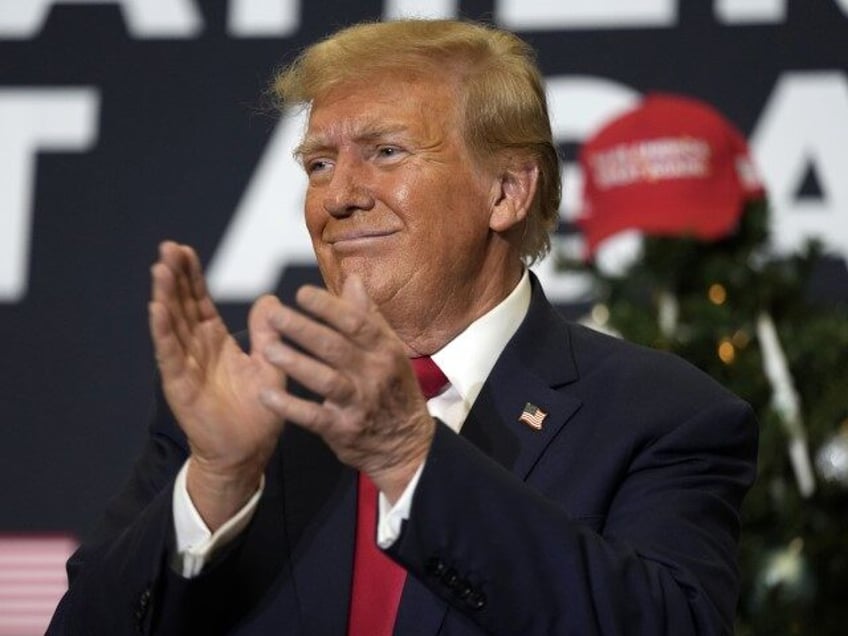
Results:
x,y
195,542
391,517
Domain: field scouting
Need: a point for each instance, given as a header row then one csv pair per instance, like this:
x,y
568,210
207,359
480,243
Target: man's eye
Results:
x,y
316,166
388,151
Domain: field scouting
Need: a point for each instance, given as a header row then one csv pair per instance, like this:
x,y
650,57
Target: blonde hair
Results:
x,y
503,98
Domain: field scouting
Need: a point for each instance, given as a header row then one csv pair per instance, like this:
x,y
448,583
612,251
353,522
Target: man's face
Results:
x,y
395,196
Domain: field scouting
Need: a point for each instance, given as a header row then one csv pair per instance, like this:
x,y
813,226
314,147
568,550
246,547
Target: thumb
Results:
x,y
353,291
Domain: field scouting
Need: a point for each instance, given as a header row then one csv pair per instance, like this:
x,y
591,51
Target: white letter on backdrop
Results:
x,y
33,120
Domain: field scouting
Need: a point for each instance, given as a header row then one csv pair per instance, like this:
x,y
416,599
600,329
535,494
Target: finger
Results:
x,y
320,340
354,317
171,258
199,289
164,291
305,413
197,303
354,292
183,291
262,333
170,355
186,294
310,373
171,255
164,284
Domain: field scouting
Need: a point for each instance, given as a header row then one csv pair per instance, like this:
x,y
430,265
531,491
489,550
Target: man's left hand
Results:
x,y
374,416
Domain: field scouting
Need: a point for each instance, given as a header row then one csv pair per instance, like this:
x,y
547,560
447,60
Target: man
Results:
x,y
593,487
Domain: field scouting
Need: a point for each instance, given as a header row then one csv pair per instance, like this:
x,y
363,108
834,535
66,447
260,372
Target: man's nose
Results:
x,y
347,191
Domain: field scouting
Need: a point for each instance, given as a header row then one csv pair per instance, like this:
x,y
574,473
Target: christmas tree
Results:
x,y
705,286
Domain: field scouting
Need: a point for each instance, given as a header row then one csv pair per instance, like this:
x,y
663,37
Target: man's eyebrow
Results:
x,y
319,143
310,145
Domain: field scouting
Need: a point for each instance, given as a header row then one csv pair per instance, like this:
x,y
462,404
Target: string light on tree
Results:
x,y
717,294
726,351
832,457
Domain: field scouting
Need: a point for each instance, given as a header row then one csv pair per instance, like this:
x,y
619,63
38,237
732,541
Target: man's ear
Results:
x,y
517,186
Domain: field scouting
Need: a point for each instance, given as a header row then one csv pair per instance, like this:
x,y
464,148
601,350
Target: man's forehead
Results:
x,y
356,127
365,119
385,93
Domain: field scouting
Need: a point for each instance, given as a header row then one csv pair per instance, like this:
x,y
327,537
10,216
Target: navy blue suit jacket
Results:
x,y
620,516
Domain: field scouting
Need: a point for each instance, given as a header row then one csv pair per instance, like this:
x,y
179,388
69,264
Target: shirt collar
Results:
x,y
468,359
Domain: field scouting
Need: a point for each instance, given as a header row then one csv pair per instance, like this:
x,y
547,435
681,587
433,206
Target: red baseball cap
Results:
x,y
672,166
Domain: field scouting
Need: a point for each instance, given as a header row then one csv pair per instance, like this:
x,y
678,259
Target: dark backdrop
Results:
x,y
120,127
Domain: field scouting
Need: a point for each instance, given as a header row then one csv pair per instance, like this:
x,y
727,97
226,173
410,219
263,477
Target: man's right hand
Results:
x,y
212,385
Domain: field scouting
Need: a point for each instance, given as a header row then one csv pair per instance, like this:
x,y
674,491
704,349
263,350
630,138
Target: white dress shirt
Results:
x,y
466,361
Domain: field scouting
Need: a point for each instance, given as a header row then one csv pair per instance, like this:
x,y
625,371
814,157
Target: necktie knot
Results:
x,y
430,376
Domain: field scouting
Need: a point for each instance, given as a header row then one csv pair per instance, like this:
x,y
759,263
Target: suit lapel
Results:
x,y
494,427
535,365
533,368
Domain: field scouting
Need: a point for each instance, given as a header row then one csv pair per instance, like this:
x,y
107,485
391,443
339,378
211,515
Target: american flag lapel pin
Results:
x,y
532,416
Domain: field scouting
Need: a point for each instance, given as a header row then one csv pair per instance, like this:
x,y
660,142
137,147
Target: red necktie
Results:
x,y
377,580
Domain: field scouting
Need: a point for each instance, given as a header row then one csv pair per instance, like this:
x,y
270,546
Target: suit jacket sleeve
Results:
x,y
625,522
121,580
114,575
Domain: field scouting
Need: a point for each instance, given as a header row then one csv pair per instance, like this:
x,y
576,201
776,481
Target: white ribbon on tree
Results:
x,y
785,401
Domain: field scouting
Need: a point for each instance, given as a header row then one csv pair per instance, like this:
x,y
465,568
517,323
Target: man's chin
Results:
x,y
374,283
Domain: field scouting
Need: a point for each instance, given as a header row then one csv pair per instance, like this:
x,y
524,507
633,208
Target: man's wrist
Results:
x,y
392,516
218,496
393,480
196,544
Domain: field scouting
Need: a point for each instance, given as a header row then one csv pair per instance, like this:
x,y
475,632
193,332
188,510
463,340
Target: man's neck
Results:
x,y
454,312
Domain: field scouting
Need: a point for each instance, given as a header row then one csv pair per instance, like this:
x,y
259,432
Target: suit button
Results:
x,y
142,606
462,589
435,566
450,578
476,600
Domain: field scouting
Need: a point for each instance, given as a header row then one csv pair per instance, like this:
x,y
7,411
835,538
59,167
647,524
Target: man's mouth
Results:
x,y
357,238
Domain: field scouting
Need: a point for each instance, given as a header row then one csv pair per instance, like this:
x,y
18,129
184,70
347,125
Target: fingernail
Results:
x,y
268,397
278,319
305,294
